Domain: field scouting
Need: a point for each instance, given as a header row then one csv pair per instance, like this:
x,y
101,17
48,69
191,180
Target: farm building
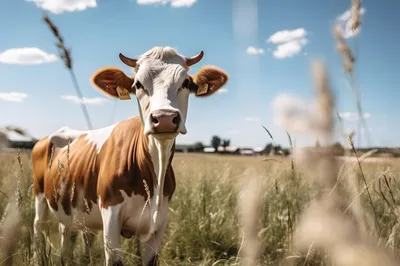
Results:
x,y
208,149
13,138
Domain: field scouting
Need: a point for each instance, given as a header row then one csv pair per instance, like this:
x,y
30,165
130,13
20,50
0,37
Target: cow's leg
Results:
x,y
88,239
112,235
153,245
65,243
40,208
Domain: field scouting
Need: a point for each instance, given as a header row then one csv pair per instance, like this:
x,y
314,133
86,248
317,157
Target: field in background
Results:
x,y
204,226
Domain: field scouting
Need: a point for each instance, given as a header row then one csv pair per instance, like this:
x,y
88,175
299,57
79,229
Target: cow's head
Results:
x,y
162,86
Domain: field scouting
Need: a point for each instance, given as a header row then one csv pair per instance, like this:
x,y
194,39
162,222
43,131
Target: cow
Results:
x,y
119,179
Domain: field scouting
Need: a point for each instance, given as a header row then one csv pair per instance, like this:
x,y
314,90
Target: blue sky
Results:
x,y
265,46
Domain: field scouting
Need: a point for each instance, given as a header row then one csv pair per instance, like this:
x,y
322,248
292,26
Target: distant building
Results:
x,y
3,140
10,138
182,148
229,150
246,151
209,149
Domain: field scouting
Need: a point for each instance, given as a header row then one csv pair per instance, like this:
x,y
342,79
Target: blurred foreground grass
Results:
x,y
203,224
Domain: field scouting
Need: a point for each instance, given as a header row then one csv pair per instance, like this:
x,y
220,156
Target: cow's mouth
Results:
x,y
165,135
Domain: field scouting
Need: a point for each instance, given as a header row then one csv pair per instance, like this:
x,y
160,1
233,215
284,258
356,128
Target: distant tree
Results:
x,y
337,149
317,144
215,142
198,146
226,143
277,149
268,148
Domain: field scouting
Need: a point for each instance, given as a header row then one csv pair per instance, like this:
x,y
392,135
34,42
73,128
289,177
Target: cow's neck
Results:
x,y
161,152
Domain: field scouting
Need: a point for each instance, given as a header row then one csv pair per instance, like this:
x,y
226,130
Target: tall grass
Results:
x,y
205,219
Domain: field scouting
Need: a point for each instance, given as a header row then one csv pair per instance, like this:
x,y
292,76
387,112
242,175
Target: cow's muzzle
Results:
x,y
164,121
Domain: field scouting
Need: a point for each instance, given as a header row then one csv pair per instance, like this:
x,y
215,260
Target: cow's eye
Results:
x,y
186,83
189,84
138,85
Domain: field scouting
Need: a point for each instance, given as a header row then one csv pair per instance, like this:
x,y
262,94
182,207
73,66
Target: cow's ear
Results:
x,y
108,79
208,80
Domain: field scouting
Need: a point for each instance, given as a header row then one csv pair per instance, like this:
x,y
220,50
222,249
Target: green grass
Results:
x,y
203,224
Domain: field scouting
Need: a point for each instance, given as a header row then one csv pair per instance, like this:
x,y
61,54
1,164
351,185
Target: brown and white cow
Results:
x,y
119,179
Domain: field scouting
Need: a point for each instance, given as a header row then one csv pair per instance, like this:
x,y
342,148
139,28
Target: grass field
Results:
x,y
205,226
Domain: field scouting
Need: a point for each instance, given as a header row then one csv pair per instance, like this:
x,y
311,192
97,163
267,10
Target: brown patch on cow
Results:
x,y
40,159
125,163
78,174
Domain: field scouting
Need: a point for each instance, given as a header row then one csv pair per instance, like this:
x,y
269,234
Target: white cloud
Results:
x,y
289,49
233,132
26,56
60,6
90,101
13,96
251,50
350,116
252,118
182,3
344,22
152,2
173,3
222,90
289,42
287,35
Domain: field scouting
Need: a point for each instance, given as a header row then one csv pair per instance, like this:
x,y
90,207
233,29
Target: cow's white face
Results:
x,y
162,87
162,92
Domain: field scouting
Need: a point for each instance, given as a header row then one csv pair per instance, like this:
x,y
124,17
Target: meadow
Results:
x,y
213,221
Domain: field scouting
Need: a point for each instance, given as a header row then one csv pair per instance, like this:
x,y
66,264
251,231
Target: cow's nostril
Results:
x,y
154,120
175,120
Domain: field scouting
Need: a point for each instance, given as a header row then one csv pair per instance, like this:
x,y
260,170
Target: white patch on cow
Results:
x,y
160,152
153,245
134,215
90,218
79,216
111,231
100,136
137,215
39,210
60,137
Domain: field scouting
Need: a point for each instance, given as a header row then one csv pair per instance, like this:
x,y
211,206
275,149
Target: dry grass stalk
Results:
x,y
325,101
249,206
344,50
349,60
9,227
355,14
365,183
325,224
65,54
